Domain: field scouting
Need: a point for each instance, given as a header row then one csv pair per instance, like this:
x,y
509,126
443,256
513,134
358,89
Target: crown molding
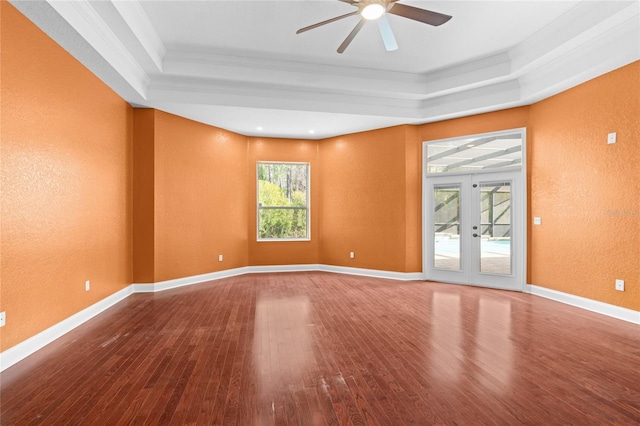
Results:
x,y
139,23
572,32
472,101
605,53
84,19
468,75
279,96
191,64
191,59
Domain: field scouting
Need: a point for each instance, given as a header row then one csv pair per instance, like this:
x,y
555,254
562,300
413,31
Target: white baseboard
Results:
x,y
266,269
618,312
40,340
195,279
400,276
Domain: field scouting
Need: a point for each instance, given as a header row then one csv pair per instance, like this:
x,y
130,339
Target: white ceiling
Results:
x,y
239,65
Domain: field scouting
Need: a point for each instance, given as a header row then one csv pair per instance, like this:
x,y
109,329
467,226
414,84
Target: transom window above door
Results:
x,y
479,153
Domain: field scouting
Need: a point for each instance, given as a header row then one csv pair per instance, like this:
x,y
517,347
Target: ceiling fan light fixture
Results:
x,y
377,10
372,11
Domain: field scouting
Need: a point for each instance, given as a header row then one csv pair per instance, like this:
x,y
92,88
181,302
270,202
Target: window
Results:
x,y
283,201
494,152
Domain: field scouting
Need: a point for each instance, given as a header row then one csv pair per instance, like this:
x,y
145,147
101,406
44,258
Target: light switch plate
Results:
x,y
537,221
620,285
611,138
3,319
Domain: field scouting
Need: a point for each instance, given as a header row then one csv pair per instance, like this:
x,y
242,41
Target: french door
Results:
x,y
474,229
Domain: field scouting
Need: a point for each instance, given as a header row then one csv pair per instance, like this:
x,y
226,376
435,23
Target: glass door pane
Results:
x,y
495,227
446,214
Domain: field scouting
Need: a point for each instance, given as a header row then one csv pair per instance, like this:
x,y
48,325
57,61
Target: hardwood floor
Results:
x,y
321,348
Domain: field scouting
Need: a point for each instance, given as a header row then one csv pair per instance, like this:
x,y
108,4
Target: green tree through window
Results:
x,y
283,200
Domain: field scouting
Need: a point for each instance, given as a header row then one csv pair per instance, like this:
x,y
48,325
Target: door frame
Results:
x,y
519,208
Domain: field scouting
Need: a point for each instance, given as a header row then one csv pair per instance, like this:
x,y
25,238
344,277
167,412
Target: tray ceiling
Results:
x,y
239,65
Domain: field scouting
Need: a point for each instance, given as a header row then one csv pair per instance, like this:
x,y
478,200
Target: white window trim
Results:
x,y
308,206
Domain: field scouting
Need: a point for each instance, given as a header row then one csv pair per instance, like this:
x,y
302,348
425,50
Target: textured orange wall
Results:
x,y
363,203
200,198
143,195
66,183
413,199
285,252
586,191
512,118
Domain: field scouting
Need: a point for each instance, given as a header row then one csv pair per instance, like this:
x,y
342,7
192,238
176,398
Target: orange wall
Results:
x,y
586,191
374,204
413,199
66,183
200,198
511,118
363,203
286,252
143,195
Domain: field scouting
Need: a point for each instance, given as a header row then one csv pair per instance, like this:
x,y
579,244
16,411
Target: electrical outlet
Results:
x,y
620,285
352,255
87,285
3,319
219,258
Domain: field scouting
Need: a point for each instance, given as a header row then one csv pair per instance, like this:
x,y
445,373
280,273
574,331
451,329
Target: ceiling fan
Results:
x,y
376,10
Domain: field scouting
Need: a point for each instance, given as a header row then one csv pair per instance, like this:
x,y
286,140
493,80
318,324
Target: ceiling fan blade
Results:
x,y
351,35
420,15
328,21
387,35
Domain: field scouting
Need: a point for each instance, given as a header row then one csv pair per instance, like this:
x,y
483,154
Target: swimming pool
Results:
x,y
451,246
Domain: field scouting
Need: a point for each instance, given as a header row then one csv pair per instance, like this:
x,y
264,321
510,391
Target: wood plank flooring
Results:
x,y
330,349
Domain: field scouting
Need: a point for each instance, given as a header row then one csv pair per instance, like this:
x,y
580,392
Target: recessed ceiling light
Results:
x,y
312,131
259,128
470,145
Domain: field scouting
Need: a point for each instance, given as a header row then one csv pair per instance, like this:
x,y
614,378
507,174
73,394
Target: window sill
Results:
x,y
277,240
